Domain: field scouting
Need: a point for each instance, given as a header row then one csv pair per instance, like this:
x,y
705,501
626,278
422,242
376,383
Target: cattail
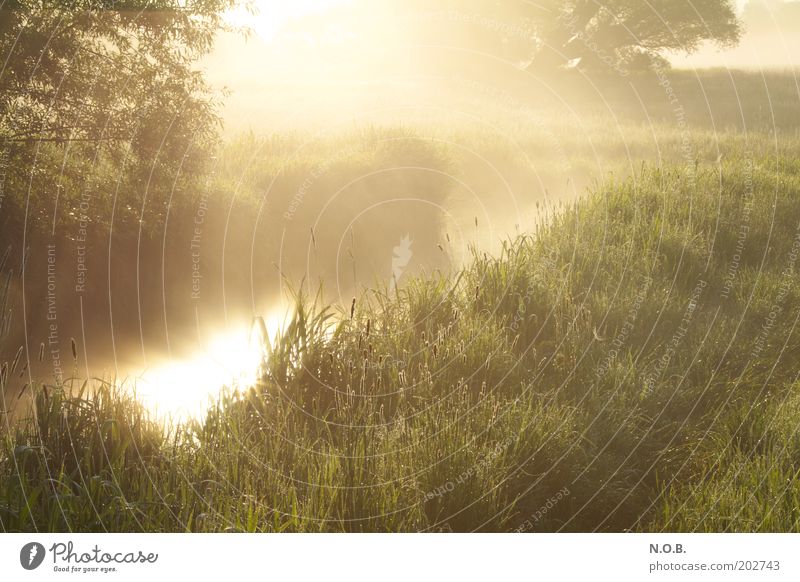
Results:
x,y
353,308
441,248
41,352
74,349
368,325
16,360
447,234
477,291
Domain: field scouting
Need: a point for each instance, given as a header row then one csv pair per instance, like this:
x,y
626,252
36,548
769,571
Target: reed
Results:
x,y
614,354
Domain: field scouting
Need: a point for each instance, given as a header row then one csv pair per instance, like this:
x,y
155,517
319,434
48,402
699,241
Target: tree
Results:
x,y
109,81
620,33
589,34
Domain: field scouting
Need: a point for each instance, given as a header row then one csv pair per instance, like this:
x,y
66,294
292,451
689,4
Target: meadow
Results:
x,y
625,359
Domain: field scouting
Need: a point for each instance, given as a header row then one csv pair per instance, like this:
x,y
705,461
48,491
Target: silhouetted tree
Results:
x,y
590,34
619,33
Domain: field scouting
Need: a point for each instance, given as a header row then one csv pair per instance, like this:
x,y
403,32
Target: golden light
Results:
x,y
266,18
182,389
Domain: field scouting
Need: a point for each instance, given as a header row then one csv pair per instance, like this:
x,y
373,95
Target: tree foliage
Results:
x,y
111,82
620,33
593,34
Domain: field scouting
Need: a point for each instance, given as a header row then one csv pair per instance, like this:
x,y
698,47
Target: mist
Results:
x,y
354,131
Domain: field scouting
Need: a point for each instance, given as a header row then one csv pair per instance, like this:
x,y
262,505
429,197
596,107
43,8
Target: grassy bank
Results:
x,y
360,188
632,366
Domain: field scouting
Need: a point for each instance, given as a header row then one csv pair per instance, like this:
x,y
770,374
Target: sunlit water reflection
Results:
x,y
180,389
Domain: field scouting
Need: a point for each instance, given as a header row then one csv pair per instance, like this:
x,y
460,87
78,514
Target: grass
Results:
x,y
361,190
634,353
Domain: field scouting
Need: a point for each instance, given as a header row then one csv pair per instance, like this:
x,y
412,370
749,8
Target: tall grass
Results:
x,y
615,362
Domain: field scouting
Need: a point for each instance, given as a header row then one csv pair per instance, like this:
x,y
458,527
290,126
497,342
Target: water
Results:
x,y
183,388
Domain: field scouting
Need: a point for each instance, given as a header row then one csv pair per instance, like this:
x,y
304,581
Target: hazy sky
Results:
x,y
340,54
288,34
291,40
771,40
